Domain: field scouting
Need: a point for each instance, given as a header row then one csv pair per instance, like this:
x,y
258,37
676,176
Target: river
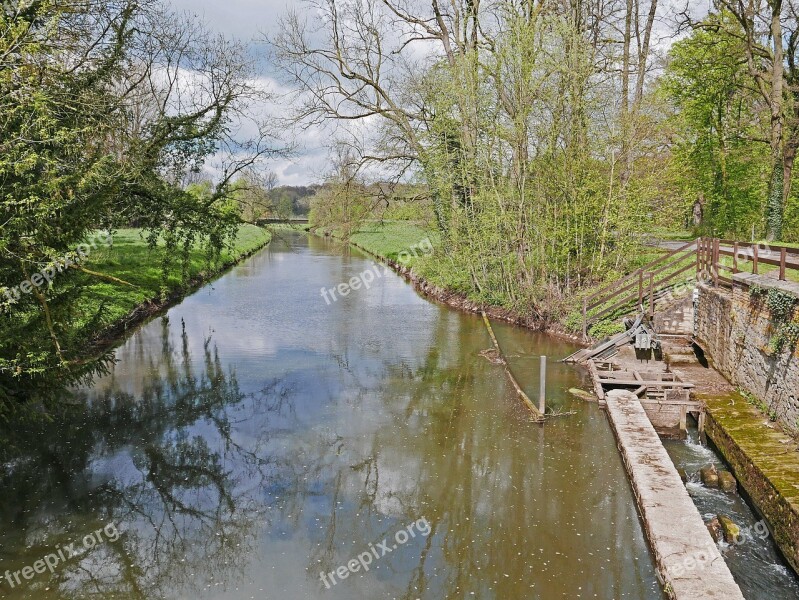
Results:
x,y
256,437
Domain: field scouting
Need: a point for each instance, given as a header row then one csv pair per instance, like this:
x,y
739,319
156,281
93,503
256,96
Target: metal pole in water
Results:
x,y
542,391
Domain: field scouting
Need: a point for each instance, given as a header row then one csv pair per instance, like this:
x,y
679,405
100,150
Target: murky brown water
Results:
x,y
256,437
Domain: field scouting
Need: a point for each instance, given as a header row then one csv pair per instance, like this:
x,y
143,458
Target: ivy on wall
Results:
x,y
782,307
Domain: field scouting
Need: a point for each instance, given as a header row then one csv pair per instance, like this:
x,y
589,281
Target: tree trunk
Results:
x,y
775,204
626,117
625,67
644,54
774,207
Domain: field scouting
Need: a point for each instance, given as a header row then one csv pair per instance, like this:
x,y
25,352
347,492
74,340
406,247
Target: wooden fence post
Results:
x,y
640,288
542,388
698,257
716,262
735,258
755,257
585,318
651,294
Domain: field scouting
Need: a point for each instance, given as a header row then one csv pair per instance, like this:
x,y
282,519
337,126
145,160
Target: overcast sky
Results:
x,y
243,19
247,21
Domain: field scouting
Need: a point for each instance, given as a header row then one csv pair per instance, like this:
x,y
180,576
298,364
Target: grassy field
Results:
x,y
85,306
385,239
388,239
131,260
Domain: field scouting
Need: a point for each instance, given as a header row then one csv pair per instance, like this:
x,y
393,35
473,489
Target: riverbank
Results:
x,y
434,277
130,259
120,283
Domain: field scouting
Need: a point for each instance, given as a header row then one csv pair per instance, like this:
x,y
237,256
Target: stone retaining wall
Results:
x,y
762,468
735,333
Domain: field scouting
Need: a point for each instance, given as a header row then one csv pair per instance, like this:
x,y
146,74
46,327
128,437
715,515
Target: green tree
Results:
x,y
718,120
105,108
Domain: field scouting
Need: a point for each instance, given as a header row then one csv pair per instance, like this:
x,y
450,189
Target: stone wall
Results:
x,y
735,333
762,468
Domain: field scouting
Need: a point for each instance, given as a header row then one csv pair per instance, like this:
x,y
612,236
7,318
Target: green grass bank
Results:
x,y
445,279
152,286
130,259
114,288
436,275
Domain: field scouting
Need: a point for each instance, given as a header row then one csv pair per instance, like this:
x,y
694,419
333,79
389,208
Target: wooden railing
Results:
x,y
705,256
641,287
746,258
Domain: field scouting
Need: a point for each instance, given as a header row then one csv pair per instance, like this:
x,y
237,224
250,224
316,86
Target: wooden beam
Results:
x,y
655,384
537,415
690,405
600,391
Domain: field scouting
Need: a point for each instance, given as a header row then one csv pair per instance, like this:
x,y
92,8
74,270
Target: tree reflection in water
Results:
x,y
229,489
163,464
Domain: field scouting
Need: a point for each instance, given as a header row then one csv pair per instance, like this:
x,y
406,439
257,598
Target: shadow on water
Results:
x,y
156,465
256,437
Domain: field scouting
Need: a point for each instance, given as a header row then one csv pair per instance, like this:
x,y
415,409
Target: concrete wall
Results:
x,y
735,333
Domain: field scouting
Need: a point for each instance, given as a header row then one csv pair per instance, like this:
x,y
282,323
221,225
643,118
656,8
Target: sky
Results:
x,y
248,21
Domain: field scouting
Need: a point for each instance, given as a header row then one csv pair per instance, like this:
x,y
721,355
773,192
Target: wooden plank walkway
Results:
x,y
687,558
663,394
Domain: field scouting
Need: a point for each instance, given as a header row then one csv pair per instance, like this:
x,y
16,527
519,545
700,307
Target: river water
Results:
x,y
256,436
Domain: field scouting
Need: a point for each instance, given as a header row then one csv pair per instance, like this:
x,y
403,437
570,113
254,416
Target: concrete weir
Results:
x,y
689,562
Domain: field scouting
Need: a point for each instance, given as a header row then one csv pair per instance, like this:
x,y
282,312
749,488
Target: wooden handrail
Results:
x,y
762,260
646,281
730,250
655,263
629,282
619,292
782,257
789,249
673,263
640,272
656,286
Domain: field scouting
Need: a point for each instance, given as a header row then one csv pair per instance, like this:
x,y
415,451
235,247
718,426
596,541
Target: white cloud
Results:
x,y
248,21
242,19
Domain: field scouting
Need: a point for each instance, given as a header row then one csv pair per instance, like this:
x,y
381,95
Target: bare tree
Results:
x,y
361,60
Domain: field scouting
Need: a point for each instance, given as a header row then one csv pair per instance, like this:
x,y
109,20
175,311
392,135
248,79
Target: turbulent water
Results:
x,y
753,558
256,437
